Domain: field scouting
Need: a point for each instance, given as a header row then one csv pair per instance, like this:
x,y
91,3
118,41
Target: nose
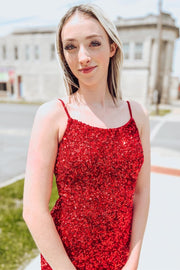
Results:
x,y
84,57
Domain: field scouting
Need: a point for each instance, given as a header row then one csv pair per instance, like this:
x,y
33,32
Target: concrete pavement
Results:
x,y
160,250
34,265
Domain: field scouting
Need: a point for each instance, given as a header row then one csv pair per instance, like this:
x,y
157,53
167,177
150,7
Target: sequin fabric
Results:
x,y
96,172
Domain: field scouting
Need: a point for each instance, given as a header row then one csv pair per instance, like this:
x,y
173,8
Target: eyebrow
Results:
x,y
88,37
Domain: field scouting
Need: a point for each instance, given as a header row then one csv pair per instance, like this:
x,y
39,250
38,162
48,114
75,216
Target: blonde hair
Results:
x,y
115,64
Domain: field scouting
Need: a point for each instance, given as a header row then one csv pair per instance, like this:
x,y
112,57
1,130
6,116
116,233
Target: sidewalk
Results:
x,y
160,250
165,161
34,265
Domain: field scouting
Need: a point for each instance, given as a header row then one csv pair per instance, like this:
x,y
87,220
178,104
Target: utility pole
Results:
x,y
158,85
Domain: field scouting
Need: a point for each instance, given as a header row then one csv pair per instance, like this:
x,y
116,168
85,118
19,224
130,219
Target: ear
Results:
x,y
113,47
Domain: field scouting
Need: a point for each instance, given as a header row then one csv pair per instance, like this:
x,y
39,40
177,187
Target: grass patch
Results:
x,y
16,243
162,112
22,102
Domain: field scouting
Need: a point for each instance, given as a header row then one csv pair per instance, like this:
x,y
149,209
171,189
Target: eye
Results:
x,y
69,47
95,43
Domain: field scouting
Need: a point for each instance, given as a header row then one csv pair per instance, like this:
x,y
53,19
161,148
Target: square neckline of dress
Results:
x,y
95,127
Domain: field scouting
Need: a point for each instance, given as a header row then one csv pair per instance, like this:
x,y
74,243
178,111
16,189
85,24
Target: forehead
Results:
x,y
80,25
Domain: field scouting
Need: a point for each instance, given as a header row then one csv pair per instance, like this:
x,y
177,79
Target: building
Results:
x,y
139,37
28,65
29,68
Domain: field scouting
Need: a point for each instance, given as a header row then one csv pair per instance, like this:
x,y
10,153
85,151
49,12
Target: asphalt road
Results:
x,y
168,135
15,128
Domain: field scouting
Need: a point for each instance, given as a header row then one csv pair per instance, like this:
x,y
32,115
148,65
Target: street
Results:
x,y
166,132
15,127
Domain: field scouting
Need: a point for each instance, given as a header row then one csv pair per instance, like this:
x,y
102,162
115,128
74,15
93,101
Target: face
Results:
x,y
87,49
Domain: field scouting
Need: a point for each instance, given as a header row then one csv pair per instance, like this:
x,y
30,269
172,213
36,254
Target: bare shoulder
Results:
x,y
51,118
50,111
138,109
140,114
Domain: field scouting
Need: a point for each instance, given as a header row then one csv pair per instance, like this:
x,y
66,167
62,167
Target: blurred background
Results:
x,y
30,75
149,32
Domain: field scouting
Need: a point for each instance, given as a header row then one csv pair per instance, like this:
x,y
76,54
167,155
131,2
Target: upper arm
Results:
x,y
41,158
142,119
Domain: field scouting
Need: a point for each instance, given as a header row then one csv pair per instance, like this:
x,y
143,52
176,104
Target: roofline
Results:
x,y
164,27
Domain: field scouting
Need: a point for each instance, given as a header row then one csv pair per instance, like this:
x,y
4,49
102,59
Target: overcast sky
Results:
x,y
20,13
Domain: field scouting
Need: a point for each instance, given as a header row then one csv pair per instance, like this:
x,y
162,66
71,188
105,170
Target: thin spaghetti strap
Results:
x,y
129,106
65,108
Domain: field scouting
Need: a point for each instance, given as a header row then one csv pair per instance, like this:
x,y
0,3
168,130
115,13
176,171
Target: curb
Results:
x,y
165,170
12,180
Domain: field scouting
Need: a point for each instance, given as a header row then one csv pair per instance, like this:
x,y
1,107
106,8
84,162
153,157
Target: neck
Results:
x,y
98,96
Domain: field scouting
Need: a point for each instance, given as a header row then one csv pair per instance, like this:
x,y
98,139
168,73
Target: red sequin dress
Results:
x,y
96,172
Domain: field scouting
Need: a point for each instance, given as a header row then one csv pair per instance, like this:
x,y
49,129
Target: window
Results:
x,y
3,86
36,52
27,52
52,52
126,50
138,52
16,56
4,53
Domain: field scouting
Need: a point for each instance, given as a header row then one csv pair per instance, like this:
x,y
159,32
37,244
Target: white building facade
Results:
x,y
29,68
139,37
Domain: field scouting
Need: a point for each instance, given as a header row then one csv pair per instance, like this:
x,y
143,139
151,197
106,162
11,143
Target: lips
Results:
x,y
87,69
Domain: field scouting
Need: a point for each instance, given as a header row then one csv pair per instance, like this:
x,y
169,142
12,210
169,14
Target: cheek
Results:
x,y
103,55
70,60
104,59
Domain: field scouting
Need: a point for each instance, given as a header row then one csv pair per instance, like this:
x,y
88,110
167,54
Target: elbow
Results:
x,y
31,218
33,215
142,197
27,215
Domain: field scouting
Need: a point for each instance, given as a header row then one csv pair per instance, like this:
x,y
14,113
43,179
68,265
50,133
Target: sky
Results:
x,y
21,13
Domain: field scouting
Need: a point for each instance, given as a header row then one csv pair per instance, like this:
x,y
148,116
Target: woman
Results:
x,y
98,147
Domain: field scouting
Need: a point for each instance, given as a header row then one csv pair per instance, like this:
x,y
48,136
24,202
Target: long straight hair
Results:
x,y
115,63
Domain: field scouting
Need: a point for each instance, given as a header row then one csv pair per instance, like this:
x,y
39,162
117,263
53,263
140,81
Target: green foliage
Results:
x,y
54,194
16,243
162,112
